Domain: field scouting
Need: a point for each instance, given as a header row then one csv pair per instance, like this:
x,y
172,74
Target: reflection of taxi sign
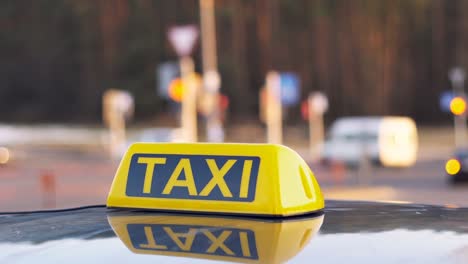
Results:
x,y
180,238
254,179
217,238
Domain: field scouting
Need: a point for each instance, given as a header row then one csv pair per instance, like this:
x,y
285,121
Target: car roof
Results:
x,y
351,125
355,232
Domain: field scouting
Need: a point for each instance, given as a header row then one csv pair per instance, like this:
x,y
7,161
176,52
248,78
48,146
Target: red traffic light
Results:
x,y
305,110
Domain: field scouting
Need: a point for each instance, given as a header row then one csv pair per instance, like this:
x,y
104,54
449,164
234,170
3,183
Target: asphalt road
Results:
x,y
425,182
44,178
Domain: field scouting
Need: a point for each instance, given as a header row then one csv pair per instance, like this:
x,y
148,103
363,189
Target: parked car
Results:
x,y
457,166
389,141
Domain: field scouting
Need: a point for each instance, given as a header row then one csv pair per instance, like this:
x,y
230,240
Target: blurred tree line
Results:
x,y
370,57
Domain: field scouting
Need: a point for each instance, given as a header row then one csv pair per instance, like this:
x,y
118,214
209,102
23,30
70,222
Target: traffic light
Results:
x,y
176,90
305,110
458,106
223,102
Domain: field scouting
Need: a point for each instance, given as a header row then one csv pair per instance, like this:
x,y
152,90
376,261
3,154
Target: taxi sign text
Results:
x,y
231,242
201,177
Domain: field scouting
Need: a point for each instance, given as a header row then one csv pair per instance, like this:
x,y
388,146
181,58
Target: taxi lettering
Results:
x,y
194,239
202,177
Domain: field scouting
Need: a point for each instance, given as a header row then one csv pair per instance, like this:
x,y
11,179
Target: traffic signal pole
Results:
x,y
211,79
183,39
316,131
189,107
457,77
460,130
274,116
317,104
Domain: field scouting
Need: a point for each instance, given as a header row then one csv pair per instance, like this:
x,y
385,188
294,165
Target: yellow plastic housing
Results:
x,y
252,179
215,238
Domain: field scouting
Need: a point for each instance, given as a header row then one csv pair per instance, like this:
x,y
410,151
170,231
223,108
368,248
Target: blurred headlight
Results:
x,y
452,166
4,155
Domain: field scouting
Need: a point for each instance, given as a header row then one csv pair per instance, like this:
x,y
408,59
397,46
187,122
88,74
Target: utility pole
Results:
x,y
317,103
274,115
183,39
189,105
211,78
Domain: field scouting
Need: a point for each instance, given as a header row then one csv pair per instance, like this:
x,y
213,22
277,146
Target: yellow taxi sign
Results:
x,y
253,179
215,238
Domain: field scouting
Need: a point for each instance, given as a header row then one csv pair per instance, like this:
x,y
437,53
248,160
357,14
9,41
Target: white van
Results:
x,y
389,141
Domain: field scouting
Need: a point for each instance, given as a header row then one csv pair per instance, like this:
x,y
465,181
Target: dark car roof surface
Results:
x,y
352,232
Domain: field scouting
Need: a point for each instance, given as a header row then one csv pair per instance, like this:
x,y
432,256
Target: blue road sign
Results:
x,y
445,99
165,73
290,89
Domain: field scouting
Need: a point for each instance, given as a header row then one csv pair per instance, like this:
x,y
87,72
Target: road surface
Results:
x,y
425,182
45,178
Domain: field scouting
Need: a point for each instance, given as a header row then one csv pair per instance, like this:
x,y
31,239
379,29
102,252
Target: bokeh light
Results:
x,y
176,90
452,166
458,106
4,155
